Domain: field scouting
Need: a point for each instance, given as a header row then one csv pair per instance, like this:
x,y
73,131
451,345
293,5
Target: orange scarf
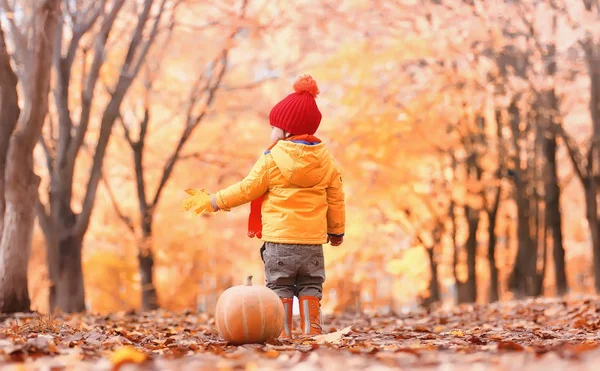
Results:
x,y
255,217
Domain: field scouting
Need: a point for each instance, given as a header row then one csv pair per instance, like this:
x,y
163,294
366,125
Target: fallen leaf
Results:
x,y
580,323
486,335
333,337
509,346
458,333
477,340
421,329
126,355
305,348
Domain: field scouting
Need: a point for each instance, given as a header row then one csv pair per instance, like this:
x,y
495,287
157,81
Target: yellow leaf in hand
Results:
x,y
199,200
187,204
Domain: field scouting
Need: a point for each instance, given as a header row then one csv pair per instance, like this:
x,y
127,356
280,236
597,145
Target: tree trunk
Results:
x,y
461,292
145,254
471,246
525,266
591,207
493,291
69,288
473,218
21,183
592,51
146,262
522,278
15,246
536,166
434,283
553,216
149,296
14,296
552,190
539,289
51,240
9,112
63,256
492,240
492,213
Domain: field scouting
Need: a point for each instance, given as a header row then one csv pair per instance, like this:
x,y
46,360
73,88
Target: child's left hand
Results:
x,y
335,240
199,201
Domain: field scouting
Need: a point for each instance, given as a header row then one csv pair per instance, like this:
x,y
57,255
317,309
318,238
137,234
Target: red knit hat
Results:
x,y
298,113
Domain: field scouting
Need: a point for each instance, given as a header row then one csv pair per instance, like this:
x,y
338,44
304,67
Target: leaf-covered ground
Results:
x,y
533,335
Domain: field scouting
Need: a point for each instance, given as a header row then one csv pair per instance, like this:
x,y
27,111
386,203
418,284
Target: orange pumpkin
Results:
x,y
248,314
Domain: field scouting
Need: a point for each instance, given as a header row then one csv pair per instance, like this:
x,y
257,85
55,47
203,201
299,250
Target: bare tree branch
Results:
x,y
146,47
124,218
213,83
191,124
47,154
153,68
81,28
19,39
574,154
126,131
61,96
63,66
138,159
524,14
65,156
136,39
37,88
88,94
111,113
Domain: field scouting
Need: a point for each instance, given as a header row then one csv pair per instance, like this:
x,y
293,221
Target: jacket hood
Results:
x,y
302,163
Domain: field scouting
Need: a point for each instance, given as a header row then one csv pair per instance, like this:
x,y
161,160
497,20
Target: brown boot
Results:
x,y
310,315
287,325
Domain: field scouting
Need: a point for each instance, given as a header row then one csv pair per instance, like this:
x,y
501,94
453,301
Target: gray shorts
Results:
x,y
294,269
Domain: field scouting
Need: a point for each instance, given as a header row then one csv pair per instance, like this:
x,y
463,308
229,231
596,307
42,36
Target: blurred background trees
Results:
x,y
467,132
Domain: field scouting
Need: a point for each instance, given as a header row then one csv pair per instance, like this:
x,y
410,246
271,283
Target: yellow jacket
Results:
x,y
304,197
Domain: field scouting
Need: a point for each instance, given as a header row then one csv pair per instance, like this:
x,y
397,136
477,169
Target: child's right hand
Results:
x,y
335,240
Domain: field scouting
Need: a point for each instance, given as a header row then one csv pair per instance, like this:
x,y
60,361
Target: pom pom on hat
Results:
x,y
306,84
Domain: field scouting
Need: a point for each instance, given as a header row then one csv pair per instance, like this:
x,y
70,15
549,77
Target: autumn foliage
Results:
x,y
464,132
467,137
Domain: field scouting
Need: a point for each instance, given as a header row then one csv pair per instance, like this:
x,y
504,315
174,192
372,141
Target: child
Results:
x,y
298,188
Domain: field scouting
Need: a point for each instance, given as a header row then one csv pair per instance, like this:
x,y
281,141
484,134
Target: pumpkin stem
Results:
x,y
249,281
